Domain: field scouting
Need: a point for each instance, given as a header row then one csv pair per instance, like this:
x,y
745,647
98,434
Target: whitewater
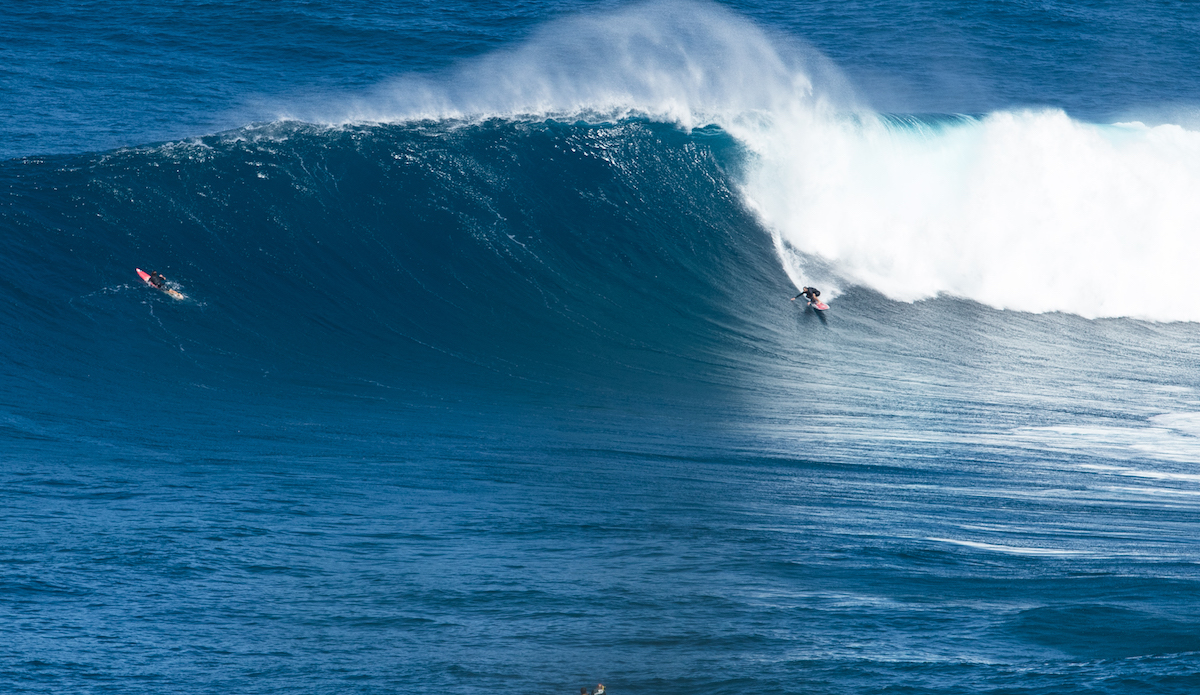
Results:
x,y
487,373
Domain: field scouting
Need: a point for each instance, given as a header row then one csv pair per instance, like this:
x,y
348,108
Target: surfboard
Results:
x,y
819,305
173,293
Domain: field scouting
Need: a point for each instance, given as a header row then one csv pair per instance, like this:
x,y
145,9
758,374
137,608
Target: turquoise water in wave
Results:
x,y
487,377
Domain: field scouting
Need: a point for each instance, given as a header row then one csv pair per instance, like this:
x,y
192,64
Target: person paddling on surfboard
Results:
x,y
158,282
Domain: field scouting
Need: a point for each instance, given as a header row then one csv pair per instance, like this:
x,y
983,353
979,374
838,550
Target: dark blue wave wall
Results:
x,y
506,256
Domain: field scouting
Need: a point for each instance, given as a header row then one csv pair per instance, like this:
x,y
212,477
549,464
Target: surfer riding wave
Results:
x,y
813,295
810,293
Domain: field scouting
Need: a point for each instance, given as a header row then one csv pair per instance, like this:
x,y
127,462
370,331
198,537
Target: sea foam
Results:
x,y
1027,210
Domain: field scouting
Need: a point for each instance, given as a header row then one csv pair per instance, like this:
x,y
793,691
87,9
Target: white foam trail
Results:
x,y
1183,423
1026,210
1011,549
1169,437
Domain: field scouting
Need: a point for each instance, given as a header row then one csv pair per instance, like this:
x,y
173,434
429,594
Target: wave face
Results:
x,y
416,254
620,265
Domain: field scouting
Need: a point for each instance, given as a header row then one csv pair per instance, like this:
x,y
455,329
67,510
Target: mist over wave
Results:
x,y
685,62
1028,210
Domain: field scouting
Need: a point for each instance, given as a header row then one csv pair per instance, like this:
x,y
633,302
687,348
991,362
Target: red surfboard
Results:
x,y
819,305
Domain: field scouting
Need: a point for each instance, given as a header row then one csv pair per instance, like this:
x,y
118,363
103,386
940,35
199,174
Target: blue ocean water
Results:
x,y
486,375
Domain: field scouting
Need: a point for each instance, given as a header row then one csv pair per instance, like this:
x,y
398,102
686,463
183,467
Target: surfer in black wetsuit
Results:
x,y
158,280
810,293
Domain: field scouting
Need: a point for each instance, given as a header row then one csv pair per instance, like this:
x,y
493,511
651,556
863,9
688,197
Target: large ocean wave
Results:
x,y
1028,210
633,225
